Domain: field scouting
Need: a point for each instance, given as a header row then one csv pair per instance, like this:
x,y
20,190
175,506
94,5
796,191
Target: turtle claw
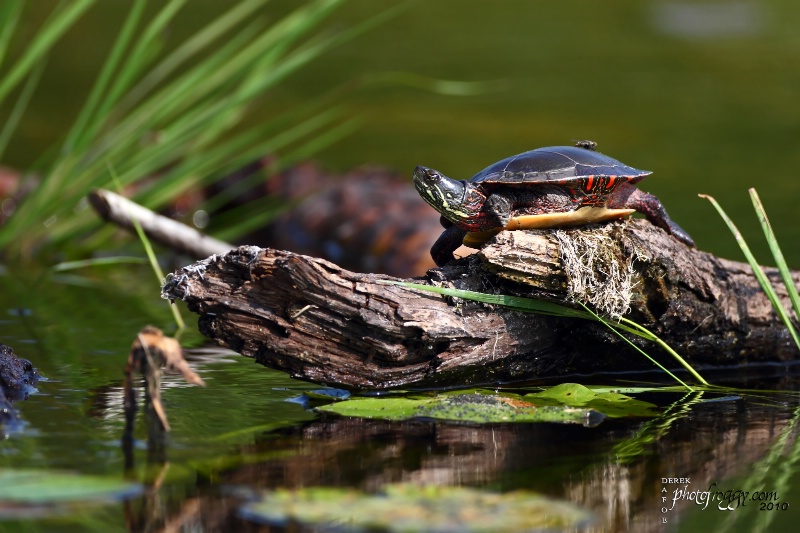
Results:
x,y
679,233
652,208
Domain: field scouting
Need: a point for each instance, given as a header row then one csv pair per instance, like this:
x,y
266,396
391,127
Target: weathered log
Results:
x,y
319,322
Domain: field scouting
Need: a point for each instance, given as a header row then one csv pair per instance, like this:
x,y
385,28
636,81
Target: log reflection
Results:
x,y
614,470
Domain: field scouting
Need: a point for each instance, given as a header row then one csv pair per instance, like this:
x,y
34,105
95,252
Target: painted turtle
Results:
x,y
543,188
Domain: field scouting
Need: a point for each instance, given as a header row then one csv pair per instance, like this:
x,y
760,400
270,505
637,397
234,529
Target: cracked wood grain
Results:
x,y
322,323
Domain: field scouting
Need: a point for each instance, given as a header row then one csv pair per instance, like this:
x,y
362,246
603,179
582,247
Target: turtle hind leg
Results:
x,y
628,196
450,239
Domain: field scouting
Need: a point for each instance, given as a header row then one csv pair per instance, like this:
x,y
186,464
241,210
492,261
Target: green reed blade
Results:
x,y
20,106
757,271
10,11
659,365
780,261
80,132
59,22
666,347
531,305
151,255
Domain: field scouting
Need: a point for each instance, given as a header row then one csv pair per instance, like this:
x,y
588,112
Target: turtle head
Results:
x,y
447,196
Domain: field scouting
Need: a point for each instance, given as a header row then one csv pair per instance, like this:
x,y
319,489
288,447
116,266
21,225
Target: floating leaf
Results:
x,y
384,408
409,508
475,408
612,404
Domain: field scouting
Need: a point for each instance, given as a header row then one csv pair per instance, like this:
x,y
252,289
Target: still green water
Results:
x,y
705,94
240,434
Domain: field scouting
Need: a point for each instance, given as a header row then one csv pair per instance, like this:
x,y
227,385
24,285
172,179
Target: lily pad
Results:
x,y
611,404
52,488
409,508
383,408
475,408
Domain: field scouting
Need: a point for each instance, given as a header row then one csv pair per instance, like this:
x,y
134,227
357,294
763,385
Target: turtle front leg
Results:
x,y
629,197
498,211
450,239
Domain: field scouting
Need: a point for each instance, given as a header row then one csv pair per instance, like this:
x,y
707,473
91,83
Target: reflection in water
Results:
x,y
214,461
615,470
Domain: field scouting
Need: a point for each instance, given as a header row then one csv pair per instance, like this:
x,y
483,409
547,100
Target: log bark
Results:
x,y
322,323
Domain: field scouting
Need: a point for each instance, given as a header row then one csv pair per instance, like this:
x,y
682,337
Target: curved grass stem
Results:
x,y
766,286
531,305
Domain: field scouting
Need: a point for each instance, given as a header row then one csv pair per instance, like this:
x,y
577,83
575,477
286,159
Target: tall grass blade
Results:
x,y
321,141
81,131
58,23
647,334
191,48
151,255
623,337
757,271
244,148
141,56
20,107
780,261
9,16
177,117
98,261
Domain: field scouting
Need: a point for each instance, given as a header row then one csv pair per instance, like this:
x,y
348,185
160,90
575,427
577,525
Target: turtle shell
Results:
x,y
588,175
559,165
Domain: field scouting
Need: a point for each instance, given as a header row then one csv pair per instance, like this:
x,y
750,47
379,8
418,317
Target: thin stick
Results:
x,y
170,233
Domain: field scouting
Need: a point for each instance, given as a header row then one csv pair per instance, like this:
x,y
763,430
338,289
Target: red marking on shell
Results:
x,y
589,183
611,181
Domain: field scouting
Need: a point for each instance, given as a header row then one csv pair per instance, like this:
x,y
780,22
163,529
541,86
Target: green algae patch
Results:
x,y
470,408
612,404
411,508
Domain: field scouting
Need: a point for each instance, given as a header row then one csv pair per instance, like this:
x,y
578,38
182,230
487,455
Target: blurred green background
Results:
x,y
706,94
